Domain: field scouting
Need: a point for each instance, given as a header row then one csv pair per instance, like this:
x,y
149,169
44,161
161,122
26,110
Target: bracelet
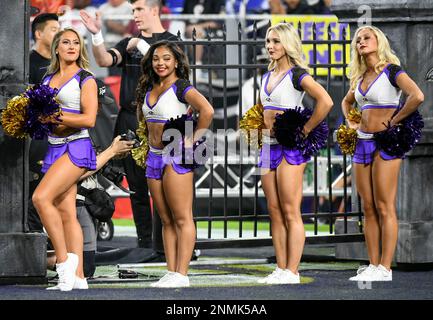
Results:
x,y
143,46
97,39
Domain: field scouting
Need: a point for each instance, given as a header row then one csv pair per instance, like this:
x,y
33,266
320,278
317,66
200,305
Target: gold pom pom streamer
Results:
x,y
347,139
251,126
354,115
14,117
140,154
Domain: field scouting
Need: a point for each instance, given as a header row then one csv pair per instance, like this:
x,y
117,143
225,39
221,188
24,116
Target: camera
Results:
x,y
112,174
130,136
115,176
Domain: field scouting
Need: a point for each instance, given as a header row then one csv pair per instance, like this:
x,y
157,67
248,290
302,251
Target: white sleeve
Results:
x,y
143,46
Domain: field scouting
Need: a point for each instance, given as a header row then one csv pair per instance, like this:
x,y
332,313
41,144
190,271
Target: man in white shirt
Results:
x,y
115,30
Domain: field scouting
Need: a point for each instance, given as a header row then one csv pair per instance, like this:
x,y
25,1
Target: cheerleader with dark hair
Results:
x,y
164,93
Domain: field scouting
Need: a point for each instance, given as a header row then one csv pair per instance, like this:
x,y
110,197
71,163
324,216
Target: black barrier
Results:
x,y
229,205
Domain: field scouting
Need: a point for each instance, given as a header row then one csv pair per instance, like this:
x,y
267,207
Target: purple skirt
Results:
x,y
272,155
80,152
155,164
364,152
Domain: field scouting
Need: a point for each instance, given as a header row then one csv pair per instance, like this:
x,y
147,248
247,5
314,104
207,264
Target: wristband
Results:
x,y
97,39
114,56
143,46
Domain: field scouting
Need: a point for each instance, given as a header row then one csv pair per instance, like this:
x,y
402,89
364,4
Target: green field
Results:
x,y
231,225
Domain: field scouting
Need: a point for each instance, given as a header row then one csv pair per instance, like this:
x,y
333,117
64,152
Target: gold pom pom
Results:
x,y
140,154
252,124
354,115
14,117
347,139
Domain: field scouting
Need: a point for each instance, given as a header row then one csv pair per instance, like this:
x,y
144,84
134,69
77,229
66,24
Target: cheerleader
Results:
x,y
164,92
70,154
376,84
283,88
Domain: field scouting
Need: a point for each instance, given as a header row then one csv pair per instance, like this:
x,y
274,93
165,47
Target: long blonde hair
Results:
x,y
384,52
291,43
82,61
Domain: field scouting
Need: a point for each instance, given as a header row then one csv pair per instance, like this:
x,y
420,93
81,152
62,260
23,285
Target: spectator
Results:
x,y
44,27
115,30
133,30
98,3
165,10
51,6
320,6
71,17
290,7
198,7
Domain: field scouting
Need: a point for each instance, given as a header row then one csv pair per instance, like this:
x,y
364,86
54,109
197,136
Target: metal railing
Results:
x,y
229,201
322,187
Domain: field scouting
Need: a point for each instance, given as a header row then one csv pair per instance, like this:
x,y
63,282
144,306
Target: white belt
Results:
x,y
364,135
155,150
269,140
72,137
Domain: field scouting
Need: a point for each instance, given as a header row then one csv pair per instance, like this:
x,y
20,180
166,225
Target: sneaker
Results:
x,y
365,273
80,283
285,277
383,274
274,275
163,279
66,271
291,277
177,280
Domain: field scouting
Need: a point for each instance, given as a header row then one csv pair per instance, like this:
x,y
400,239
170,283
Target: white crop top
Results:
x,y
170,104
69,93
383,92
286,94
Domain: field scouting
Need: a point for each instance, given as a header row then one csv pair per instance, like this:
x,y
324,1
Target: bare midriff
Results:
x,y
374,120
155,134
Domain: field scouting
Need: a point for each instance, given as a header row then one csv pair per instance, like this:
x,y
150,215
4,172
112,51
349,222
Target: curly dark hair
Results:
x,y
149,77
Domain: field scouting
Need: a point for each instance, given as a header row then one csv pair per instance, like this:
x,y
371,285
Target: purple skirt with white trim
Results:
x,y
156,163
364,152
272,155
80,152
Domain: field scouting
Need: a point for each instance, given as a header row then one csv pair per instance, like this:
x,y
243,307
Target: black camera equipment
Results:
x,y
130,136
115,176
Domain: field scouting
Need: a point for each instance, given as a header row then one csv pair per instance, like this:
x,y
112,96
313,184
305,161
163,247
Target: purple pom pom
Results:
x,y
400,139
288,131
180,124
42,103
190,158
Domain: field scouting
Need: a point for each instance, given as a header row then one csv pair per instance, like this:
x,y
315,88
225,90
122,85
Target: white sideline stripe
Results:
x,y
202,233
195,263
